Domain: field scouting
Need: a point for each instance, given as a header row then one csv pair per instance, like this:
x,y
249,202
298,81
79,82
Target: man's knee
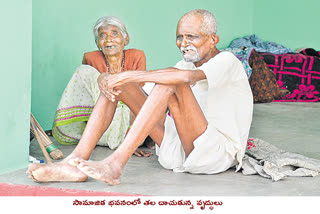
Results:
x,y
170,89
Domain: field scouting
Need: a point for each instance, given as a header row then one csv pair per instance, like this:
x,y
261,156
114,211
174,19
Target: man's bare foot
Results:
x,y
61,171
106,171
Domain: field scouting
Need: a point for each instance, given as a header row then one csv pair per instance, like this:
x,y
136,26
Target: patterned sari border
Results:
x,y
63,138
69,120
67,108
68,114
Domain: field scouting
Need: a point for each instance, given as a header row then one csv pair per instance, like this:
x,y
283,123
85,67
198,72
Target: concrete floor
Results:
x,y
294,127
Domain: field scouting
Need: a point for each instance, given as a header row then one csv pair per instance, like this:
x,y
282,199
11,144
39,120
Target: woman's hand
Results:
x,y
102,83
141,153
105,86
117,80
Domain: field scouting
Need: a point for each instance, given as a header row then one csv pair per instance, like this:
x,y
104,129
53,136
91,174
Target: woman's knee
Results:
x,y
129,90
86,70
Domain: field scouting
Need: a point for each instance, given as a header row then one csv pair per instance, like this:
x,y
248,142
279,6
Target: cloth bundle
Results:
x,y
271,162
253,41
242,48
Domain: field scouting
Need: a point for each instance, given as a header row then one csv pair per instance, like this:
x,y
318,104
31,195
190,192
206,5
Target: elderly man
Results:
x,y
210,108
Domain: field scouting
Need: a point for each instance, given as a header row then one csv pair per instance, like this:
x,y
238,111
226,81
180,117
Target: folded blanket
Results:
x,y
308,52
298,73
242,48
271,162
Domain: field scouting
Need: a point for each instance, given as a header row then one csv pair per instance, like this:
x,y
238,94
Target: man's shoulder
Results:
x,y
224,58
227,55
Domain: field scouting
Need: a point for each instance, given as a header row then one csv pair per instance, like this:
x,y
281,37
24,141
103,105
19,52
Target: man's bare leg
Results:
x,y
188,117
179,97
98,123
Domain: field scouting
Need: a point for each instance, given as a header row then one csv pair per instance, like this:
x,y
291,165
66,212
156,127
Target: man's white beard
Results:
x,y
190,57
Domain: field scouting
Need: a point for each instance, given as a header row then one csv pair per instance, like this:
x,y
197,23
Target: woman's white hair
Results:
x,y
209,25
109,20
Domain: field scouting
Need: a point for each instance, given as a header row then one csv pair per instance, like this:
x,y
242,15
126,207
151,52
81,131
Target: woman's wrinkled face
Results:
x,y
110,40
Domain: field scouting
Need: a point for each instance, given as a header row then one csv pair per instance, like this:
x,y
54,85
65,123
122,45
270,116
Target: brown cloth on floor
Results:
x,y
263,82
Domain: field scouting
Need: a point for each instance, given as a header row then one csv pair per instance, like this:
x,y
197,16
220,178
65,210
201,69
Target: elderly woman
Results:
x,y
83,91
82,96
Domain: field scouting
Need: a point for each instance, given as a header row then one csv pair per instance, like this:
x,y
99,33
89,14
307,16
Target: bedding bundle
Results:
x,y
282,75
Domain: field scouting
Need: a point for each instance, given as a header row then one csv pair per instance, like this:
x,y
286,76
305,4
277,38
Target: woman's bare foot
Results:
x,y
60,171
106,170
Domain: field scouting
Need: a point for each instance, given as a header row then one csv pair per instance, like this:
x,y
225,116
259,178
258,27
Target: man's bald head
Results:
x,y
209,25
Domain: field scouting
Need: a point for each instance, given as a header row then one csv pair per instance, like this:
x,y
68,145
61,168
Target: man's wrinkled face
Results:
x,y
193,44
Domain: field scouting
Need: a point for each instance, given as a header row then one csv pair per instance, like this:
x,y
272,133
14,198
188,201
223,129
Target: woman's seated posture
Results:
x,y
82,92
